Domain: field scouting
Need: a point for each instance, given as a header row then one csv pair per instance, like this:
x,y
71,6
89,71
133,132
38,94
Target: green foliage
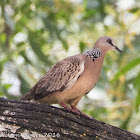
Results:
x,y
127,68
37,48
34,35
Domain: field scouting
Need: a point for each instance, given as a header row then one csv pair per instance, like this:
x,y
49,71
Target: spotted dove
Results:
x,y
73,77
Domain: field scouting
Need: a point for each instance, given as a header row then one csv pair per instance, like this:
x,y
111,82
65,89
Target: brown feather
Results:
x,y
60,77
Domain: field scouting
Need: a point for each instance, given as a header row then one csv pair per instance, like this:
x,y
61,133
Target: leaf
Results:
x,y
7,86
55,33
4,91
125,123
137,101
134,10
4,60
126,68
51,27
25,57
137,81
24,88
1,94
65,45
2,38
89,13
82,46
97,112
37,49
24,74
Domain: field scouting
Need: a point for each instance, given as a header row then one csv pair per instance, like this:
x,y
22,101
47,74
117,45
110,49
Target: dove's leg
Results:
x,y
75,110
69,109
65,106
79,112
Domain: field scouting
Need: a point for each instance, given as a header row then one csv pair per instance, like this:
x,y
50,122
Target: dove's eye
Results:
x,y
109,41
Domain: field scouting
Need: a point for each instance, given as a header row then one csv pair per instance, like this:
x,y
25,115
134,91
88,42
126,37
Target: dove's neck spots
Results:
x,y
93,54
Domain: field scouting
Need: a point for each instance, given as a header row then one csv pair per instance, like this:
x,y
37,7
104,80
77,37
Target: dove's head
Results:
x,y
105,44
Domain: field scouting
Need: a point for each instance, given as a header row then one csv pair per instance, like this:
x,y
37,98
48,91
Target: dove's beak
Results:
x,y
116,48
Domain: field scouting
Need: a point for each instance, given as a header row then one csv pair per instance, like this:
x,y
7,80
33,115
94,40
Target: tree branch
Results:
x,y
26,120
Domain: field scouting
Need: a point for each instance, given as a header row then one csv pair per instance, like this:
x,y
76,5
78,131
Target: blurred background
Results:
x,y
34,35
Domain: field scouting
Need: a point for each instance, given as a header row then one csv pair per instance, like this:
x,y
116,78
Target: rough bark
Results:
x,y
26,120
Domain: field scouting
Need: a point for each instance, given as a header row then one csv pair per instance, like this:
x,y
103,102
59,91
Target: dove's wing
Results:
x,y
60,77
